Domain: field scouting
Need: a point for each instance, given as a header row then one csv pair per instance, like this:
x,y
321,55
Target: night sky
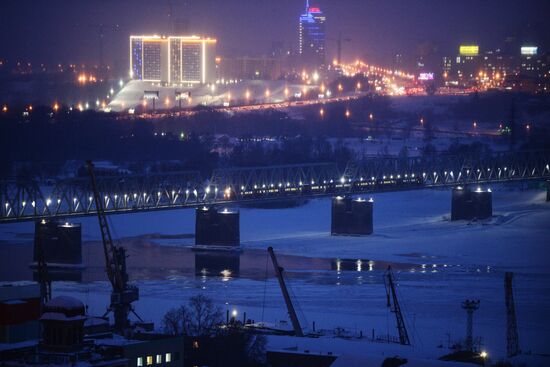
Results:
x,y
62,30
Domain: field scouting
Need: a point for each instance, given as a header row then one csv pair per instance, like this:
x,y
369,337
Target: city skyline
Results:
x,y
376,29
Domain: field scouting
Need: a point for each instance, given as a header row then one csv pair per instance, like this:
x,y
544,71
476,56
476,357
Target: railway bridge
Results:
x,y
32,200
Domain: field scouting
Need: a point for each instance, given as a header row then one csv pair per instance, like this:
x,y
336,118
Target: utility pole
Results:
x,y
393,305
512,340
291,312
470,306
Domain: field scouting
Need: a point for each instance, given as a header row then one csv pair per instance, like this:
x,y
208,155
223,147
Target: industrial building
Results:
x,y
214,227
68,339
173,60
60,242
351,216
19,311
468,204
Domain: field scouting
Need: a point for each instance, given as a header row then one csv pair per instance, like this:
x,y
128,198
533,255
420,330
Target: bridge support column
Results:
x,y
215,227
467,204
60,242
351,216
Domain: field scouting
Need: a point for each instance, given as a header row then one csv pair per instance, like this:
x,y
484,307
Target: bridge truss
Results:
x,y
31,200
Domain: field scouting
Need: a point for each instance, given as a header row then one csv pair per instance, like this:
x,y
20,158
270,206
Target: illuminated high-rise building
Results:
x,y
312,37
173,60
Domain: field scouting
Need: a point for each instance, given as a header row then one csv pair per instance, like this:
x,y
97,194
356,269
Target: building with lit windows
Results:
x,y
312,37
173,60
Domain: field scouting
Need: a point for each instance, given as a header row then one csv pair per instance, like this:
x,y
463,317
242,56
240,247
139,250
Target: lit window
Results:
x,y
168,357
140,362
195,344
149,360
159,358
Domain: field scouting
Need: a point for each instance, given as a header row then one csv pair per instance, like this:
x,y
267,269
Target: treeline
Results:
x,y
45,140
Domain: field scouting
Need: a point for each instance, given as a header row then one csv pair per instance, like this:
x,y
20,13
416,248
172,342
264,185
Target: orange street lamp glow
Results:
x,y
347,113
322,112
247,94
55,107
5,108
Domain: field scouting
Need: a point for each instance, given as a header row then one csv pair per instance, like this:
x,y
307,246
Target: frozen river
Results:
x,y
438,264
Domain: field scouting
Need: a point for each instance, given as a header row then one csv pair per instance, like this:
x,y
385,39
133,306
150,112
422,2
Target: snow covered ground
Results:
x,y
438,265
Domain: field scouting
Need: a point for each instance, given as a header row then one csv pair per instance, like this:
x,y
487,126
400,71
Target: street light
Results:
x,y
322,112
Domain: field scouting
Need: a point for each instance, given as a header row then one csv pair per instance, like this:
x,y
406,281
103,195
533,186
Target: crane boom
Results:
x,y
512,339
393,304
42,273
123,294
291,312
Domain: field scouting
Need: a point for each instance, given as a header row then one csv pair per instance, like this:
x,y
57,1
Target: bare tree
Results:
x,y
203,317
200,317
173,320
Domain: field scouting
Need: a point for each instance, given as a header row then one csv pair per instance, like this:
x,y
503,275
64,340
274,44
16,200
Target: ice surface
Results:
x,y
449,262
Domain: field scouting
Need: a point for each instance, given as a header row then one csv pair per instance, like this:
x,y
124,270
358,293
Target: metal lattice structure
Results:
x,y
240,182
512,339
31,200
74,197
450,170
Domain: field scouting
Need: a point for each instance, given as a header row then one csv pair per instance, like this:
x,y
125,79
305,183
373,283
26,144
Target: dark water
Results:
x,y
150,261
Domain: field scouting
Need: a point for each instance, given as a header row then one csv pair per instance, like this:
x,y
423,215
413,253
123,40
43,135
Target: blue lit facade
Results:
x,y
312,37
136,58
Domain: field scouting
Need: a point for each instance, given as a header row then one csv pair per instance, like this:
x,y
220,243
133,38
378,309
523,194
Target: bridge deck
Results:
x,y
22,201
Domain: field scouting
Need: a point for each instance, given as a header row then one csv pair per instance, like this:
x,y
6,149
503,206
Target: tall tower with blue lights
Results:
x,y
312,37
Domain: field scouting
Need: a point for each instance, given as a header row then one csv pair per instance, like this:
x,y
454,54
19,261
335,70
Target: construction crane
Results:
x,y
339,42
123,293
43,277
393,305
101,30
512,340
291,312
